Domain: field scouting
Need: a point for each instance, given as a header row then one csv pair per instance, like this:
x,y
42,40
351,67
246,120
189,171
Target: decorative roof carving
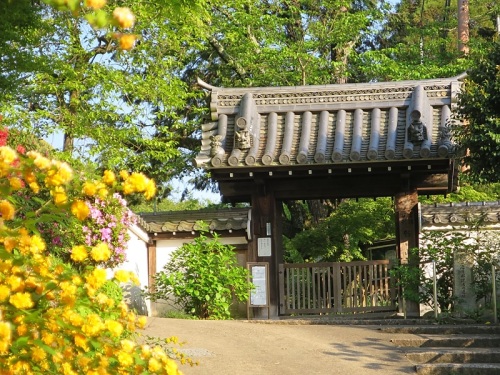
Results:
x,y
328,124
459,214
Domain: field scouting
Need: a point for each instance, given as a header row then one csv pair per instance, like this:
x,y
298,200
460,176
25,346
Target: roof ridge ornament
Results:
x,y
418,120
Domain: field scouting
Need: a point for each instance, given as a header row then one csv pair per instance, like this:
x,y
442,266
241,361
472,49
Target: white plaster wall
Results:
x,y
136,262
164,250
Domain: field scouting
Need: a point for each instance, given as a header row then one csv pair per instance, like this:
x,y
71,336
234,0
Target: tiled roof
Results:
x,y
329,124
188,221
457,214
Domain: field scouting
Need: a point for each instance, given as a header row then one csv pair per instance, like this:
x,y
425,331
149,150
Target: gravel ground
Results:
x,y
249,347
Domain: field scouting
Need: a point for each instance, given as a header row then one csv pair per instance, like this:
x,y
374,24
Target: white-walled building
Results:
x,y
158,235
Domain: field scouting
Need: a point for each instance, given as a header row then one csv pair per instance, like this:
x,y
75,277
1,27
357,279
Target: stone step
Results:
x,y
453,355
450,341
443,329
458,369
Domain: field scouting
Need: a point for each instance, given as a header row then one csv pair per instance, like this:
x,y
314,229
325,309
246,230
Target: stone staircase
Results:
x,y
446,350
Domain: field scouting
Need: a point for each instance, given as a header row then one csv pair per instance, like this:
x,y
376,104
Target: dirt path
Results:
x,y
242,347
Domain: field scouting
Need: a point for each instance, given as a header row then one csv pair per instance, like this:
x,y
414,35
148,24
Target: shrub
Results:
x,y
52,318
203,277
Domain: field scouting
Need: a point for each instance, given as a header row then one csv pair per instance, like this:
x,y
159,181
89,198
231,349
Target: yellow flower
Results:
x,y
171,367
40,161
79,253
138,180
5,336
124,175
80,209
89,189
103,192
60,173
7,210
125,359
38,354
100,252
124,17
93,325
68,292
21,301
154,365
37,244
83,362
4,292
9,243
21,367
127,41
34,187
95,4
59,195
29,176
96,278
81,341
7,155
127,345
142,321
122,276
16,183
103,299
114,327
108,178
22,329
15,283
150,189
48,338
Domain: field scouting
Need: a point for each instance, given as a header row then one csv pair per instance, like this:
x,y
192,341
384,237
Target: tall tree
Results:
x,y
479,106
420,40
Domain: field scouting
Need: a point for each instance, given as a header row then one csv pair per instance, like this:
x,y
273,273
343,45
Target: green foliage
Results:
x,y
418,40
203,278
441,248
408,278
168,205
467,193
339,237
113,291
478,245
479,105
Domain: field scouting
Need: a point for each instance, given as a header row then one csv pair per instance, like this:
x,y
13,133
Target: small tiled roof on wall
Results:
x,y
460,214
328,124
188,221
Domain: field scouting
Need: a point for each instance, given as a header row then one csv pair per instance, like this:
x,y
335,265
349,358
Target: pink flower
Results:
x,y
105,234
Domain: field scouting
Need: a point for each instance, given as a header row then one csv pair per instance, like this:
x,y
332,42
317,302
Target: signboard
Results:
x,y
259,296
264,247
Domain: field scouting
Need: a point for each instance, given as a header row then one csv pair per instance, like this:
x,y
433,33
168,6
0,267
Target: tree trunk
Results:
x,y
463,26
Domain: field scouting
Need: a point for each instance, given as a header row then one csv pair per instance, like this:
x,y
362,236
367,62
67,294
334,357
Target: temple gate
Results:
x,y
266,145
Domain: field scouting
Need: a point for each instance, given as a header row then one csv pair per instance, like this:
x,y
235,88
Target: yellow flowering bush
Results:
x,y
54,318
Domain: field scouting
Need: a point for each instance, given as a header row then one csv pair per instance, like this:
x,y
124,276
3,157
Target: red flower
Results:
x,y
21,149
4,133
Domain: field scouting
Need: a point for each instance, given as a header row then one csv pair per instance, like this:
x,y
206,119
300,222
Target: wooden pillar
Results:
x,y
406,206
266,223
151,272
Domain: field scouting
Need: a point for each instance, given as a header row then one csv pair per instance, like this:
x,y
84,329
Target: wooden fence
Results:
x,y
313,288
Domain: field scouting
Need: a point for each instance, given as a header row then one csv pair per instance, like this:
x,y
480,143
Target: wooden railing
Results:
x,y
312,288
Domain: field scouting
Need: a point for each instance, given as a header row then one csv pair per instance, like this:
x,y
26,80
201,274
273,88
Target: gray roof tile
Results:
x,y
348,123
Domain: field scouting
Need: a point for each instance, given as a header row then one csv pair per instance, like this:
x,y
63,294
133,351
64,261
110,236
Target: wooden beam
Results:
x,y
331,186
